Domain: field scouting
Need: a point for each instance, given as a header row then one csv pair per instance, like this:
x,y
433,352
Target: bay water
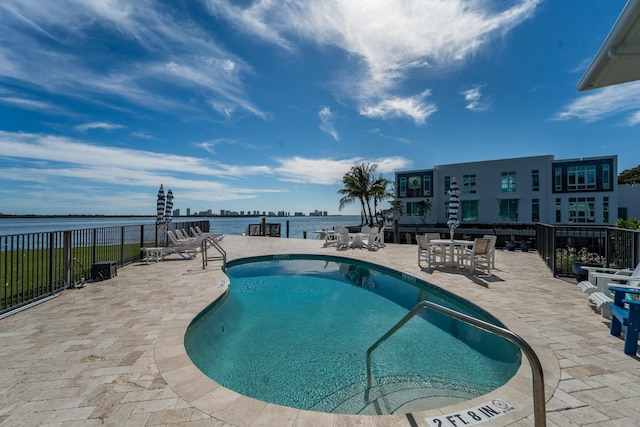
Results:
x,y
298,225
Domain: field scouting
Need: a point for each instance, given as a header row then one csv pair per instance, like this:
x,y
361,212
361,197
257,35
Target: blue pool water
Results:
x,y
295,332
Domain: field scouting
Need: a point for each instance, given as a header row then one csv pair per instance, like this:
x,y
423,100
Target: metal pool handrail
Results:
x,y
539,411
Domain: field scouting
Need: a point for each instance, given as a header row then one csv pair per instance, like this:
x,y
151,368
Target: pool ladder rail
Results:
x,y
539,410
205,257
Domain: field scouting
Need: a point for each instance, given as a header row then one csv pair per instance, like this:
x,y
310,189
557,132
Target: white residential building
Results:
x,y
519,190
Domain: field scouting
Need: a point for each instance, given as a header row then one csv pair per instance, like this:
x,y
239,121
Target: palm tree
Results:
x,y
380,192
361,185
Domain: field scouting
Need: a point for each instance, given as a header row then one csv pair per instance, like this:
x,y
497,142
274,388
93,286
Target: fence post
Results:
x,y
52,267
95,246
122,245
66,258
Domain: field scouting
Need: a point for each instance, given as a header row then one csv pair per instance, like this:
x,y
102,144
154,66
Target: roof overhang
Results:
x,y
618,60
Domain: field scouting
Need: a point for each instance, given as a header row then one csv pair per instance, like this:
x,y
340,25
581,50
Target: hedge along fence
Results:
x,y
37,265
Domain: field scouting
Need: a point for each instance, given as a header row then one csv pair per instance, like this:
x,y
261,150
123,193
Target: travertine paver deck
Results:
x,y
112,353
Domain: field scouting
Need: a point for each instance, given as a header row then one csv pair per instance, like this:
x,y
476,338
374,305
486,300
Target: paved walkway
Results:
x,y
112,352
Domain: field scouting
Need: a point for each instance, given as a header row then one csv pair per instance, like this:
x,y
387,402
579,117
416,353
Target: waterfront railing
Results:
x,y
560,246
36,266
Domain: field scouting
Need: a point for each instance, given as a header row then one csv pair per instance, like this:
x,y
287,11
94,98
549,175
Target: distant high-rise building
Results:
x,y
188,211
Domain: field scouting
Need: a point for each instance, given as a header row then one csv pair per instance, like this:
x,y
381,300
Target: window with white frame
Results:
x,y
581,177
426,190
535,210
469,184
469,210
509,210
582,209
447,184
557,182
535,180
508,182
606,177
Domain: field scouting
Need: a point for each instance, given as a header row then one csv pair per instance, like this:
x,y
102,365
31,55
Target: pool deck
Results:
x,y
112,352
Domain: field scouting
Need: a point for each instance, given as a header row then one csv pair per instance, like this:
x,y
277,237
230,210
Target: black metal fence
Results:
x,y
38,265
560,246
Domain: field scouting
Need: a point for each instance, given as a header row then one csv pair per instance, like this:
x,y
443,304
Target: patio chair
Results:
x,y
428,252
625,311
343,238
380,238
492,248
370,241
478,256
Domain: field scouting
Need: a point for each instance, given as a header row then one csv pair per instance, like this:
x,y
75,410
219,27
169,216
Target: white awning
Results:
x,y
618,60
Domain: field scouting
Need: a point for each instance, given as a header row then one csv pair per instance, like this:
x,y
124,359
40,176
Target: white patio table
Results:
x,y
455,246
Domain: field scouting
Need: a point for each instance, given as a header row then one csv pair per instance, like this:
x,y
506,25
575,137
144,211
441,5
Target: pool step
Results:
x,y
396,395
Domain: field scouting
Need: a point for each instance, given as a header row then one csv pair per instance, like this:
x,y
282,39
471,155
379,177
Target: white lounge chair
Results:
x,y
599,277
186,249
478,256
215,236
330,238
379,242
603,298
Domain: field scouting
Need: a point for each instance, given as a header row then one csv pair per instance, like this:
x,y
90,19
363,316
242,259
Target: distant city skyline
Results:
x,y
268,104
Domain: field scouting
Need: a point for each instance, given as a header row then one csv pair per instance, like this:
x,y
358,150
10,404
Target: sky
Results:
x,y
265,105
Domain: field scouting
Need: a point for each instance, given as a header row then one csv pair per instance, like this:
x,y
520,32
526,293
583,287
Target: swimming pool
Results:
x,y
294,330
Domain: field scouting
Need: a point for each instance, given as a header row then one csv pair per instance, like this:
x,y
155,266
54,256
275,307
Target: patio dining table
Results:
x,y
454,248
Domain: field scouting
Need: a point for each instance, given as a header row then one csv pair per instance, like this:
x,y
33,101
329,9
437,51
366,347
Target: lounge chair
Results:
x,y
380,238
478,256
215,236
186,249
330,237
600,276
603,299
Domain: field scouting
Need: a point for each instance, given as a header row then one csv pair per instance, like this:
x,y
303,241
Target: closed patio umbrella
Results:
x,y
454,206
161,205
168,211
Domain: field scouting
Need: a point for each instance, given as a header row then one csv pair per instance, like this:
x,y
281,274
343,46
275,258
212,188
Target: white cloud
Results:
x,y
414,107
31,104
98,125
600,103
634,119
330,171
146,78
326,122
473,96
389,38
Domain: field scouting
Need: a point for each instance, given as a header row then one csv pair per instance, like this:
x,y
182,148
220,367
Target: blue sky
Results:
x,y
264,105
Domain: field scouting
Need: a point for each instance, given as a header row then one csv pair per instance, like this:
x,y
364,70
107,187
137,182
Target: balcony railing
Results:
x,y
38,265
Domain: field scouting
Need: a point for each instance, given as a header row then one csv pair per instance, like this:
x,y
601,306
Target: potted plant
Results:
x,y
584,258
